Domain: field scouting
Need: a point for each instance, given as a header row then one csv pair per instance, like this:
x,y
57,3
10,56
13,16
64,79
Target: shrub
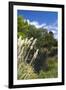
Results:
x,y
52,71
53,51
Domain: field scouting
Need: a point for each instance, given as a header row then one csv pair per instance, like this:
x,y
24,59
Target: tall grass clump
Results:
x,y
25,57
25,71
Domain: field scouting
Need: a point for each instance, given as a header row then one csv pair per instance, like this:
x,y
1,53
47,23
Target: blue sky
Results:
x,y
44,19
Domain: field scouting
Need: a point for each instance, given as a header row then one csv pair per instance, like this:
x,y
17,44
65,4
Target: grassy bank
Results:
x,y
26,71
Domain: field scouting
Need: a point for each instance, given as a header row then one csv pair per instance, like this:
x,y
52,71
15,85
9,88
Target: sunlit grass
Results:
x,y
26,71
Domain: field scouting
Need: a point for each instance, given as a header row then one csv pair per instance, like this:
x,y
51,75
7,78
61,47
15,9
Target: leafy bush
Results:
x,y
52,71
53,51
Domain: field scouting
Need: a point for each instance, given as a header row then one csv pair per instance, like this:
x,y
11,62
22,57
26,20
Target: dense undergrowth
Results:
x,y
26,71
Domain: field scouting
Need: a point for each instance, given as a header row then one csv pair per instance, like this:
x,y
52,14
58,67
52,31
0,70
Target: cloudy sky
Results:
x,y
41,19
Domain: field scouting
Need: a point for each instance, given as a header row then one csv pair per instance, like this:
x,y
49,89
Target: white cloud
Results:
x,y
51,27
37,25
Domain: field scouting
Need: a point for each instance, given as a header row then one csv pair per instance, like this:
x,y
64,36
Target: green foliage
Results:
x,y
22,26
47,45
53,51
21,34
20,23
52,71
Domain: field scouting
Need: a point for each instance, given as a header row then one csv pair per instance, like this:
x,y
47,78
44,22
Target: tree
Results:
x,y
23,26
